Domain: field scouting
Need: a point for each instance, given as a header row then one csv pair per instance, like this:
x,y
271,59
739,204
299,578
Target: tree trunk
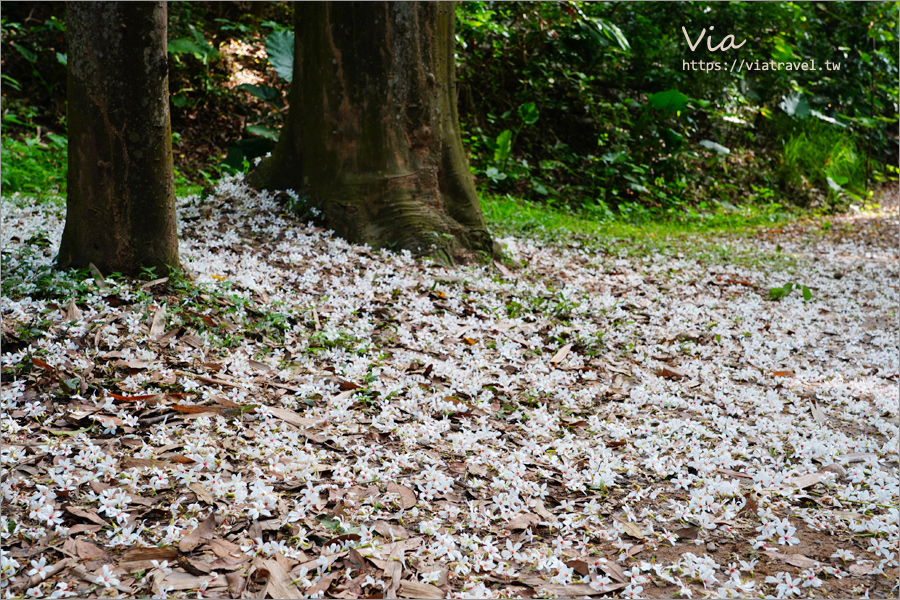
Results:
x,y
120,209
372,136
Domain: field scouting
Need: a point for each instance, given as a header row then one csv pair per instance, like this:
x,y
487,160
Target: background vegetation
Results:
x,y
585,108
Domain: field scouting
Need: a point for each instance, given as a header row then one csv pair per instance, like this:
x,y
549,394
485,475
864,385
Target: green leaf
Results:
x,y
62,58
807,294
185,46
504,147
670,101
263,131
263,92
280,48
28,54
529,113
795,105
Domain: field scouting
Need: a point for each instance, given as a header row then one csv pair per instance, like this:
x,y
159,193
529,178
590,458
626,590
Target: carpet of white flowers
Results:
x,y
302,417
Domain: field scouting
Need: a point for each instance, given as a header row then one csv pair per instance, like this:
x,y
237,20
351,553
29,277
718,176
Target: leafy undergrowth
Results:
x,y
303,417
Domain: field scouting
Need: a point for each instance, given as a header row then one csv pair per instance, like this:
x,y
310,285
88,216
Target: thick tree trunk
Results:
x,y
372,137
120,209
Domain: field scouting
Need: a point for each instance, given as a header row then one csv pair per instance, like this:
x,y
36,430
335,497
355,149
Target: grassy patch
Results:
x,y
509,215
638,231
34,165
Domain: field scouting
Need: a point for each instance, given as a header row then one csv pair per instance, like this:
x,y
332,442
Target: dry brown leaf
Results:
x,y
857,457
179,580
671,373
73,313
129,462
579,566
150,284
202,493
613,569
687,533
544,513
91,516
632,529
561,354
98,276
279,584
523,521
782,373
320,586
414,589
204,532
289,416
161,553
734,473
158,324
88,551
506,273
407,495
796,560
863,567
391,531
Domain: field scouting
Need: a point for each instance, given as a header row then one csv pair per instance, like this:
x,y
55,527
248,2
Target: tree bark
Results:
x,y
120,208
372,135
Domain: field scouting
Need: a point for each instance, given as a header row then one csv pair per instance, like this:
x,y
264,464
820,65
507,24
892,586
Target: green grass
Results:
x,y
643,232
822,151
33,165
509,215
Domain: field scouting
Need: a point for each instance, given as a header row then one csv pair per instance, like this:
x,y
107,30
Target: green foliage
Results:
x,y
280,48
827,157
624,121
34,163
777,293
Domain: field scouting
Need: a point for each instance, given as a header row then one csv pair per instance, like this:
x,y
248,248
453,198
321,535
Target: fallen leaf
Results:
x,y
150,284
503,270
561,354
862,567
523,521
390,531
782,373
579,566
289,416
202,493
91,516
41,363
414,589
407,495
88,551
635,550
98,276
632,529
687,533
734,473
158,324
73,313
796,560
160,553
671,373
279,584
201,534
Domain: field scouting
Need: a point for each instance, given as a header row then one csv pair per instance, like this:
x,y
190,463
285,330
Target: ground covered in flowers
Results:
x,y
301,417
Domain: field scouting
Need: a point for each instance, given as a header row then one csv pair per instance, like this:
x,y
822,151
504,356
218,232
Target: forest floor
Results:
x,y
304,417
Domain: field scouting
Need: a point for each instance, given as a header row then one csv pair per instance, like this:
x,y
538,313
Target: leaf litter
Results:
x,y
306,417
